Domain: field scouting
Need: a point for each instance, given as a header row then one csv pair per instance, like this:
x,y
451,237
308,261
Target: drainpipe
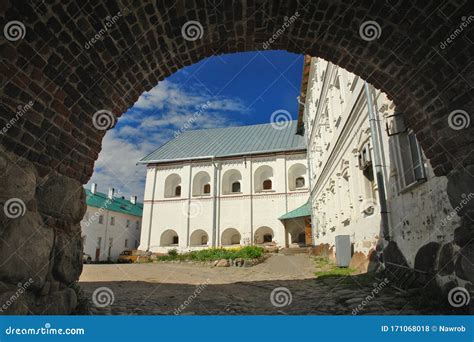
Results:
x,y
214,204
251,200
379,168
151,210
188,219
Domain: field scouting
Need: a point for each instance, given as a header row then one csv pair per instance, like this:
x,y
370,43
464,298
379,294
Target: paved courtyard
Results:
x,y
284,284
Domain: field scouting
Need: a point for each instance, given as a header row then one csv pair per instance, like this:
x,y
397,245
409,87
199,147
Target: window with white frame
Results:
x,y
125,245
101,219
112,221
411,168
137,225
128,223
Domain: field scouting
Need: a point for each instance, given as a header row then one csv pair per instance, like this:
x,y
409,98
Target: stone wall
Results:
x,y
40,240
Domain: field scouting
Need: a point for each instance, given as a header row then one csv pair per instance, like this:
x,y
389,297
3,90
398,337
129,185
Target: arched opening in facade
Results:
x,y
198,238
172,186
263,178
201,184
297,177
263,235
230,236
231,182
169,238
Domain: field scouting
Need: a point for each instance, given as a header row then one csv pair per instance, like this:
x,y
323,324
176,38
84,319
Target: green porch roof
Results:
x,y
304,210
120,205
229,141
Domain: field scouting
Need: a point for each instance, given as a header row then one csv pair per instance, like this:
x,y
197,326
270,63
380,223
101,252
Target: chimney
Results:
x,y
93,188
111,193
133,199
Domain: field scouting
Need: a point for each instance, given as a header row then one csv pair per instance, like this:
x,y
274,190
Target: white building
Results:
x,y
401,201
225,187
111,224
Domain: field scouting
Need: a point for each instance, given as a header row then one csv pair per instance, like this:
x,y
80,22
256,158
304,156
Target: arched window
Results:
x,y
236,187
267,184
299,182
206,189
201,184
172,186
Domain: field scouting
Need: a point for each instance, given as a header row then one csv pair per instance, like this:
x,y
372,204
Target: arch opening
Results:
x,y
230,236
169,238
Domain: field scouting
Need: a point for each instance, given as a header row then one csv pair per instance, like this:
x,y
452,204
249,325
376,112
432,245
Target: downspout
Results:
x,y
286,188
379,170
251,201
151,210
214,204
189,203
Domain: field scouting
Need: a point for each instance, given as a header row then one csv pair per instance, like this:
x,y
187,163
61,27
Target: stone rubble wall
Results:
x,y
40,238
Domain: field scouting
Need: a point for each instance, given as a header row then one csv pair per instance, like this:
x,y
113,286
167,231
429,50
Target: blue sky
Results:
x,y
240,89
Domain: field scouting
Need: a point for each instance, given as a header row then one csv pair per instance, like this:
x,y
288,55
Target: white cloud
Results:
x,y
152,121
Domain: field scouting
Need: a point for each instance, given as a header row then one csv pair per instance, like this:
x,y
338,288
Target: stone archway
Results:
x,y
69,73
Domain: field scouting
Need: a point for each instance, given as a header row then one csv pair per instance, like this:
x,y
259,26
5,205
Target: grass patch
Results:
x,y
324,267
212,254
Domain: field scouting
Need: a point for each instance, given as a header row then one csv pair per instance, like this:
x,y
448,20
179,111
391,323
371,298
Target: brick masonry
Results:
x,y
77,58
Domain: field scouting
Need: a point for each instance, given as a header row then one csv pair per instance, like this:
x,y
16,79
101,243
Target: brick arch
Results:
x,y
69,82
51,148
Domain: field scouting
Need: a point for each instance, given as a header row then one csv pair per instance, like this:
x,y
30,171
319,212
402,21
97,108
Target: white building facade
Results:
x,y
352,159
225,187
110,225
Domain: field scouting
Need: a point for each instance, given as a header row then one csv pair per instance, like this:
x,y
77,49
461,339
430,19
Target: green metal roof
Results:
x,y
304,210
230,141
120,205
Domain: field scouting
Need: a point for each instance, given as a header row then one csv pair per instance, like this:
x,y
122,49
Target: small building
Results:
x,y
111,224
225,187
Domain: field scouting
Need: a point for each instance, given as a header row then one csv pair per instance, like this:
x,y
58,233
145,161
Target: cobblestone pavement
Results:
x,y
187,289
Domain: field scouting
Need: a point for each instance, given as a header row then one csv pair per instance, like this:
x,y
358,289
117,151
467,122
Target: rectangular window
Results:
x,y
126,243
99,242
411,169
128,223
112,221
101,219
137,225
